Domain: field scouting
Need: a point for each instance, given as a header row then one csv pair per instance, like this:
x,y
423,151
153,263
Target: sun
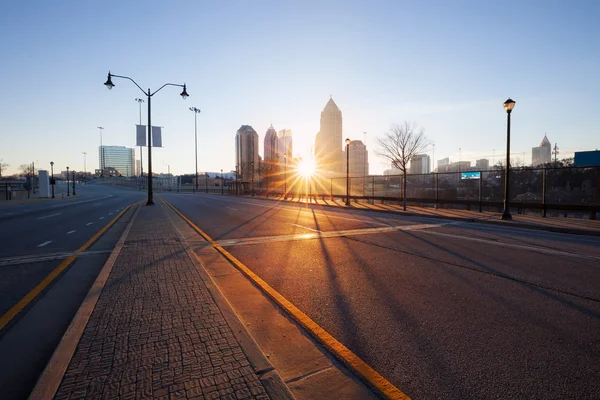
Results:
x,y
306,168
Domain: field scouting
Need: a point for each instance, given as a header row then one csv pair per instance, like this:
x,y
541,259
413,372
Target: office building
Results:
x,y
246,153
119,158
329,143
271,148
285,145
542,154
358,158
482,164
419,164
443,162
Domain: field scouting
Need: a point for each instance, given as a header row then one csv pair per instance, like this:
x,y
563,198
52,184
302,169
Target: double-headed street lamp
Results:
x,y
347,172
508,106
196,112
52,177
109,84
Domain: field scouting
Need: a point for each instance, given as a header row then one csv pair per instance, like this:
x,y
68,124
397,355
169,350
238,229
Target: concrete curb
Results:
x,y
266,372
49,381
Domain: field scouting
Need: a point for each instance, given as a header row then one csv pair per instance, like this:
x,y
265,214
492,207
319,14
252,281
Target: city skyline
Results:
x,y
465,62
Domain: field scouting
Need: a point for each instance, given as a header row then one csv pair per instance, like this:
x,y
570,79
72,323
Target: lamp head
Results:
x,y
184,93
109,83
509,105
52,163
347,141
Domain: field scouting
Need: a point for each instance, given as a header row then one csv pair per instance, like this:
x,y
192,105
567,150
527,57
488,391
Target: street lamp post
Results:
x,y
73,172
196,112
347,172
101,152
52,177
109,84
222,182
140,101
285,176
84,168
68,194
508,106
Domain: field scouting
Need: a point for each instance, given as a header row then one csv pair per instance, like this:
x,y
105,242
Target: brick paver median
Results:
x,y
156,332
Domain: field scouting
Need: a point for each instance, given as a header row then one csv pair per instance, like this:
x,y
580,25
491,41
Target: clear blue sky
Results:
x,y
446,65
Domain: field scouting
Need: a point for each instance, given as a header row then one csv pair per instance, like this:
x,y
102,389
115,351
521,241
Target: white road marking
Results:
x,y
89,223
68,233
305,227
48,216
231,208
101,218
9,214
516,246
110,213
45,243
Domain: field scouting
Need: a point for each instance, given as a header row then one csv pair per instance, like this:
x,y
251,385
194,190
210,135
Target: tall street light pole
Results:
x,y
52,175
347,172
140,101
109,84
84,168
101,152
508,106
196,112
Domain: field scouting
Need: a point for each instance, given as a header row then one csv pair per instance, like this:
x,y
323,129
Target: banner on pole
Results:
x,y
140,134
156,136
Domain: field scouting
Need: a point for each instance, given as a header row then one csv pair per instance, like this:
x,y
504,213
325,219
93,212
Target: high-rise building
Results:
x,y
419,164
542,154
358,158
482,164
271,149
329,144
246,153
443,162
120,158
284,144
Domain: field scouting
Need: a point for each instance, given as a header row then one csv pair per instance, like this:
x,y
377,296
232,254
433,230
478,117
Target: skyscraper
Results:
x,y
246,153
270,145
120,158
329,143
419,164
358,158
542,154
284,144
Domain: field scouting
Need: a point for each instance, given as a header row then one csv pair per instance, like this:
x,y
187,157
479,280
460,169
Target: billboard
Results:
x,y
587,158
470,175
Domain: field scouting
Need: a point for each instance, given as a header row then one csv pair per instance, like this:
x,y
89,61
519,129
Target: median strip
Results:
x,y
29,297
341,352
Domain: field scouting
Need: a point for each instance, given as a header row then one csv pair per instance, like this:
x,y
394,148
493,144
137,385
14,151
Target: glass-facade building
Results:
x,y
119,157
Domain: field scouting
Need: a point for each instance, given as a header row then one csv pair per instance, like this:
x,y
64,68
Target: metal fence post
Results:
x,y
543,192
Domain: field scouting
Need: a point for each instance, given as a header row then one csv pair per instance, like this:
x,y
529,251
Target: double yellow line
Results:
x,y
29,297
341,352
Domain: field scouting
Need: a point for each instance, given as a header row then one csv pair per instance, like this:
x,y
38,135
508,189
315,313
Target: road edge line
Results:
x,y
361,369
40,287
49,381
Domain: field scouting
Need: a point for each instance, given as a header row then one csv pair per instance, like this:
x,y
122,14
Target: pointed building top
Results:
x,y
331,105
545,142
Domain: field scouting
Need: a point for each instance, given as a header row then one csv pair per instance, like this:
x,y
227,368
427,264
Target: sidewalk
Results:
x,y
155,331
553,224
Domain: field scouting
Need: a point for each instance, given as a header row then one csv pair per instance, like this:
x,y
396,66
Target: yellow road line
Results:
x,y
24,302
362,369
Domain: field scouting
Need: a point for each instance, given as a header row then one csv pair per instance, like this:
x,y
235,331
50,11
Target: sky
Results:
x,y
447,66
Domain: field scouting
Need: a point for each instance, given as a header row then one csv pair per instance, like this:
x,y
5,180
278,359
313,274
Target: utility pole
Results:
x,y
555,152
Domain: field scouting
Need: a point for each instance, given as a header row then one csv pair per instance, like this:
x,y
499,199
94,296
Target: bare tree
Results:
x,y
24,169
3,165
400,145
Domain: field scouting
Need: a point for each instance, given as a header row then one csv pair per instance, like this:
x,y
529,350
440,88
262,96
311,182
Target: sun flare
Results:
x,y
306,168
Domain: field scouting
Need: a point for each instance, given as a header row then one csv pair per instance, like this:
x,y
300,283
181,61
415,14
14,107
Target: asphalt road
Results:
x,y
36,237
442,309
